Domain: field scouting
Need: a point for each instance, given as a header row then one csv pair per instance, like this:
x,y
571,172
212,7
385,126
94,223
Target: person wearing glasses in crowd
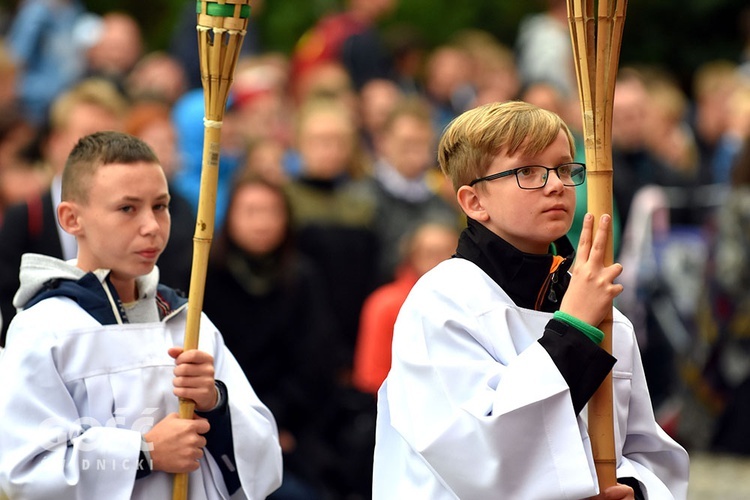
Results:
x,y
496,350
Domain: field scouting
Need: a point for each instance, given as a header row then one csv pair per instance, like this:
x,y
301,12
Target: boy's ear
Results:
x,y
67,214
471,204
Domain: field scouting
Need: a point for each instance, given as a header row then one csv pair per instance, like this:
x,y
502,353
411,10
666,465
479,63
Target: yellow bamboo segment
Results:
x,y
617,30
582,37
604,48
596,34
600,406
203,235
221,29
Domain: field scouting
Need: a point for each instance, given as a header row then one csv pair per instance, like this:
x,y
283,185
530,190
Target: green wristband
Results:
x,y
591,332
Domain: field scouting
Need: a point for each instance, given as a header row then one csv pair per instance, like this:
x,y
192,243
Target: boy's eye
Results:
x,y
126,209
564,170
161,207
525,171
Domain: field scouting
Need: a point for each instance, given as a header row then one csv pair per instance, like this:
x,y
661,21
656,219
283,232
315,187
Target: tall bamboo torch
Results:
x,y
221,26
596,32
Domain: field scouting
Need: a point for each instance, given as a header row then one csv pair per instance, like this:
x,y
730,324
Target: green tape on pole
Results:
x,y
222,9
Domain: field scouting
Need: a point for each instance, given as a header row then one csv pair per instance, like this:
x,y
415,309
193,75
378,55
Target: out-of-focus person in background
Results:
x,y
494,72
377,99
265,296
727,369
265,158
117,46
47,39
422,249
334,216
350,37
636,165
400,186
334,213
157,75
19,177
713,84
447,83
543,49
668,134
260,106
187,116
92,105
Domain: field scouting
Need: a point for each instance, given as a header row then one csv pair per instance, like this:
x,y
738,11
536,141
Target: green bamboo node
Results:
x,y
222,9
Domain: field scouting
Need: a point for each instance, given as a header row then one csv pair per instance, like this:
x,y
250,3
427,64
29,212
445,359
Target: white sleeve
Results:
x,y
648,453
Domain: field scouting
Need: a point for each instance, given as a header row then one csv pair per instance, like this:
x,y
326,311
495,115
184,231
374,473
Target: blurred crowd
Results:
x,y
330,205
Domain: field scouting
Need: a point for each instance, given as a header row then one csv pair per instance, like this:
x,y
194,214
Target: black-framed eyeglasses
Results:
x,y
535,176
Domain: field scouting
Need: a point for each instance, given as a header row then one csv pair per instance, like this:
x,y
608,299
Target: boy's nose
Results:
x,y
554,180
150,223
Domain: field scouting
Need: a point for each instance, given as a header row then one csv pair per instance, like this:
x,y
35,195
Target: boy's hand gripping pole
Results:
x,y
221,26
596,28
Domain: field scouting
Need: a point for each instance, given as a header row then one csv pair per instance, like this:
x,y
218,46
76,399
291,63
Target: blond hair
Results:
x,y
472,140
95,91
412,107
715,76
315,107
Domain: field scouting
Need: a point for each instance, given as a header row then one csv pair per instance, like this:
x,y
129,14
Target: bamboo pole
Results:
x,y
221,27
596,34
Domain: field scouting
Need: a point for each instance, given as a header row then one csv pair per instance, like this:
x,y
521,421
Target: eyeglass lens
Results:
x,y
536,176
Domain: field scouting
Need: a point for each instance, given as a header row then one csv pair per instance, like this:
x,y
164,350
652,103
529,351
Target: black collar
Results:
x,y
321,184
527,278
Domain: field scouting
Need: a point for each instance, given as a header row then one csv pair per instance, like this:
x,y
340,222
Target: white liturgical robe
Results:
x,y
475,408
76,397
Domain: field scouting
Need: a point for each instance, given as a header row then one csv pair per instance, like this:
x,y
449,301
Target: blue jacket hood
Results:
x,y
44,277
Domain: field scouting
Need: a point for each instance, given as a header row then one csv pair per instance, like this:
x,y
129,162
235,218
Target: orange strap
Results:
x,y
556,261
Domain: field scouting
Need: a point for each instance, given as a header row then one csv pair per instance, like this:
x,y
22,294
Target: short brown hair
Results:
x,y
94,151
473,139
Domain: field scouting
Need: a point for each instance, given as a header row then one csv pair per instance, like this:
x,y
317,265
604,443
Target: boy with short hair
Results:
x,y
495,351
93,364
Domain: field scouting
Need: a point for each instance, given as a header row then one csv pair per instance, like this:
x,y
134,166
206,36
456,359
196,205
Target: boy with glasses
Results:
x,y
495,351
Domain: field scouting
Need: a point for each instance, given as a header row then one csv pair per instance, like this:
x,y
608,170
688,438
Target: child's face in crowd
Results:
x,y
125,224
408,146
326,145
432,245
527,219
257,219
